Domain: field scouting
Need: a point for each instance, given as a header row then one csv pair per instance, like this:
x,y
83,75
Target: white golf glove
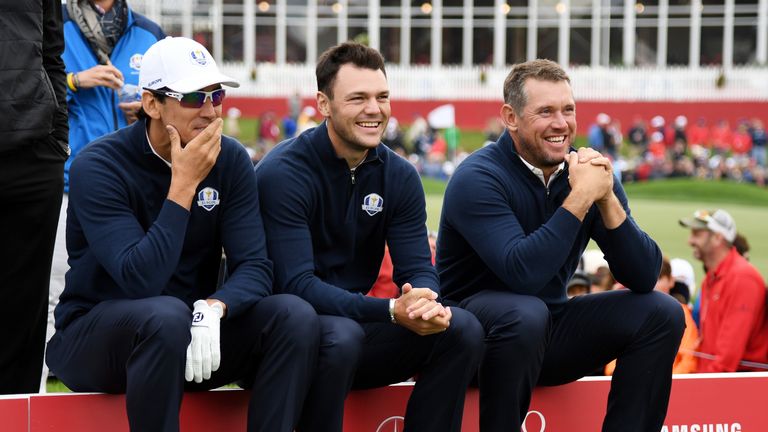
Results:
x,y
203,353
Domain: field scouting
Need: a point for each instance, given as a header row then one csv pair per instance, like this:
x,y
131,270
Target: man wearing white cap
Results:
x,y
151,207
734,329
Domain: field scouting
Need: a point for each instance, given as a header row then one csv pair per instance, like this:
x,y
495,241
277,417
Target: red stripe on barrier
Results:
x,y
14,414
698,403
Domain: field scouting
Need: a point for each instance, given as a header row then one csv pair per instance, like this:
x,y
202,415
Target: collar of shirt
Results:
x,y
146,133
540,174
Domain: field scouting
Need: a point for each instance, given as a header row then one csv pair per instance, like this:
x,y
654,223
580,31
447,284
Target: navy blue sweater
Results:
x,y
326,228
127,241
501,229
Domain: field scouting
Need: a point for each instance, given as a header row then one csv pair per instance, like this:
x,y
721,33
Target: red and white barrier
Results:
x,y
699,403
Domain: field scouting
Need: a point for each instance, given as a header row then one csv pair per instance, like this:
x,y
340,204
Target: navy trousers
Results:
x,y
138,347
367,355
32,180
527,345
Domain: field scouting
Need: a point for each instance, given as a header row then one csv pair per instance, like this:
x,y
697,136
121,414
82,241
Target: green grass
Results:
x,y
55,386
658,205
702,191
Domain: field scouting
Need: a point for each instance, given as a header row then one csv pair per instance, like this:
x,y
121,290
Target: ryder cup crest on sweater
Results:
x,y
373,203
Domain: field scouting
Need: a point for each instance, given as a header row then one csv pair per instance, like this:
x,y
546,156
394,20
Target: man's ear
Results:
x,y
509,117
150,105
323,104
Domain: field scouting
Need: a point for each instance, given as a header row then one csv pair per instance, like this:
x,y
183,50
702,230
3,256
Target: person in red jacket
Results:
x,y
734,328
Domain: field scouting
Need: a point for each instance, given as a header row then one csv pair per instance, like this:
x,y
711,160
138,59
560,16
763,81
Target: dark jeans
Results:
x,y
138,347
367,355
31,186
527,346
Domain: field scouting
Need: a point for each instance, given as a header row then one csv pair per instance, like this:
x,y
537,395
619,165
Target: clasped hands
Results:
x,y
417,310
590,173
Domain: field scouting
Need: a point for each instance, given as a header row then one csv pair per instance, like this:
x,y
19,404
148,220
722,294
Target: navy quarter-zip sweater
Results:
x,y
502,229
127,241
326,226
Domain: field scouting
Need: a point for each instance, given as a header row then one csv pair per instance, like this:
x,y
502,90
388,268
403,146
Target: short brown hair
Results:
x,y
348,52
540,69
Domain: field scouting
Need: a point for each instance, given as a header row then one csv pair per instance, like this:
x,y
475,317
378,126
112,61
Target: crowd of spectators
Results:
x,y
646,150
705,149
697,353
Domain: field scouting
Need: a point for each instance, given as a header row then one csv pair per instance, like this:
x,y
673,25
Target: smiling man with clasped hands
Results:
x,y
151,208
516,218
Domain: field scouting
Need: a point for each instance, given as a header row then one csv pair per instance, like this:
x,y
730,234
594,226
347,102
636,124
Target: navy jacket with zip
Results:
x,y
502,229
326,226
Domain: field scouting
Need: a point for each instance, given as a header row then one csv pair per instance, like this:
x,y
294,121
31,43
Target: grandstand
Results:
x,y
684,35
617,51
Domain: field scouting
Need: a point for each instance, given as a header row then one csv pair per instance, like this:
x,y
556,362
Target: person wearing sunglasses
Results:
x,y
151,208
733,322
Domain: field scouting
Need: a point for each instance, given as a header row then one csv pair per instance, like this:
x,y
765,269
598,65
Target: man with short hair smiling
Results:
x,y
516,219
734,326
151,207
330,200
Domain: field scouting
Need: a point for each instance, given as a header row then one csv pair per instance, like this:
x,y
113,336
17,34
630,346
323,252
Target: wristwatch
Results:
x,y
392,311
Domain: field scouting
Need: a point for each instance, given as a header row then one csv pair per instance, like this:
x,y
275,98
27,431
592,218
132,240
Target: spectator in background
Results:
x,y
742,247
637,135
685,361
33,148
516,218
104,44
579,284
699,134
331,198
596,268
759,141
393,137
734,328
493,130
269,132
418,137
232,123
685,281
658,124
741,143
153,206
598,136
306,119
679,129
722,137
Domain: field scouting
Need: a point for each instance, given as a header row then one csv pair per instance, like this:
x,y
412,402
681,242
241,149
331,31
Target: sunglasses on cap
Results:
x,y
194,99
702,216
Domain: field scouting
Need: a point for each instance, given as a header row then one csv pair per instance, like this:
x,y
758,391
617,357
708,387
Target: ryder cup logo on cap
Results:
x,y
135,61
208,198
373,203
718,221
182,65
198,57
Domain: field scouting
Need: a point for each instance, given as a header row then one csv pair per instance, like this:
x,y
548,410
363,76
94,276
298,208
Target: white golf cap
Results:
x,y
718,221
181,65
682,271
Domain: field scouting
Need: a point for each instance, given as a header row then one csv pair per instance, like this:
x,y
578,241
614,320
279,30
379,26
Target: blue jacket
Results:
x,y
94,112
127,241
502,229
326,227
